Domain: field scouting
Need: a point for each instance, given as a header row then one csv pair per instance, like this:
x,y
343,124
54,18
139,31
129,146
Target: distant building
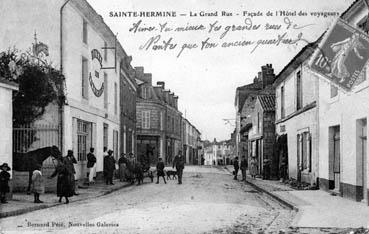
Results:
x,y
218,153
262,133
191,142
263,81
159,122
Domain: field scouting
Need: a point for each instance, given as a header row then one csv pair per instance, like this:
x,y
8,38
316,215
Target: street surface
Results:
x,y
208,201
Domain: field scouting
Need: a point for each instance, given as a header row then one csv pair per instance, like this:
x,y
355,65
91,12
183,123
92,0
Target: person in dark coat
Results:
x,y
91,164
122,162
4,182
243,168
64,186
160,170
179,162
109,167
266,169
202,160
236,168
69,161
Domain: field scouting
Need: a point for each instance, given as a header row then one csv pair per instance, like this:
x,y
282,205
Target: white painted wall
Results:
x,y
6,125
299,123
344,110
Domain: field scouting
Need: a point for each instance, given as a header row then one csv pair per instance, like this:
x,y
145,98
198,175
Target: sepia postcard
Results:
x,y
194,116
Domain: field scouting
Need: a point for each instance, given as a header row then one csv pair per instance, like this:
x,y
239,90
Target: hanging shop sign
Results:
x,y
97,84
342,56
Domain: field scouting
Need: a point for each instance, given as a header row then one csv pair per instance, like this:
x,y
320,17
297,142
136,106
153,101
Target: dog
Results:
x,y
171,173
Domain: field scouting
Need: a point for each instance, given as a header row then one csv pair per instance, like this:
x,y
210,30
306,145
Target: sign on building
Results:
x,y
342,56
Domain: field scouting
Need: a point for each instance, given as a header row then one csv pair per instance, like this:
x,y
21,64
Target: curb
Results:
x,y
40,207
272,195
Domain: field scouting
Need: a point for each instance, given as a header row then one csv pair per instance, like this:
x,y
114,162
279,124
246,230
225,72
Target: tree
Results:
x,y
39,85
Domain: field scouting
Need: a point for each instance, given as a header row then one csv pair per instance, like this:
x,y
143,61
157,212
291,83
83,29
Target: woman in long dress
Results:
x,y
64,185
253,167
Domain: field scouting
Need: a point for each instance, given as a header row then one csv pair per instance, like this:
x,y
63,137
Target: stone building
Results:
x,y
263,81
158,120
261,134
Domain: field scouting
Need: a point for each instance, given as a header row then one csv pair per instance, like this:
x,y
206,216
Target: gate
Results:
x,y
31,137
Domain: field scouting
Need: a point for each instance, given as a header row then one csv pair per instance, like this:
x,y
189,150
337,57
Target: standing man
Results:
x,y
243,168
160,170
91,164
178,162
236,167
69,160
109,166
202,160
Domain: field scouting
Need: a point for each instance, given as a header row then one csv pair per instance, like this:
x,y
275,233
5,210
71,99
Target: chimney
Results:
x,y
147,77
161,83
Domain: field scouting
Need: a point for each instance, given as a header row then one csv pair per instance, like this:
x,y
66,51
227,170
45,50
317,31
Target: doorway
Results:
x,y
361,152
334,158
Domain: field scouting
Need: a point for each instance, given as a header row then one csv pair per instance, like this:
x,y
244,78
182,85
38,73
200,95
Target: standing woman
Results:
x,y
253,167
64,187
37,185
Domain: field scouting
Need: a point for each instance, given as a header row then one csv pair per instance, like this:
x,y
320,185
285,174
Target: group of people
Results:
x,y
110,166
65,173
243,166
178,163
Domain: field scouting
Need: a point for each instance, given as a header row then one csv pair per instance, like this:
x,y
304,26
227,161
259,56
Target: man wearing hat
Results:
x,y
4,181
109,167
179,163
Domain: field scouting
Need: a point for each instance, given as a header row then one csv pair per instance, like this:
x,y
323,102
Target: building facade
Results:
x,y
88,54
159,122
128,94
261,135
191,139
243,105
297,116
343,116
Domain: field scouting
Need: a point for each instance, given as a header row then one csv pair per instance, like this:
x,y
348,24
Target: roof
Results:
x,y
355,4
267,102
244,91
303,55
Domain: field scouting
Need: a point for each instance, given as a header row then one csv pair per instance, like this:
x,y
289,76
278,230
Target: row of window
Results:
x,y
172,123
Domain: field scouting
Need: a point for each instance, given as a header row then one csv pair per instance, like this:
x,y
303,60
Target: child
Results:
x,y
4,181
37,186
160,170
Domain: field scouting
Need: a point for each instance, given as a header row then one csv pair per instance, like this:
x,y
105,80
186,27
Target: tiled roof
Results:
x,y
267,102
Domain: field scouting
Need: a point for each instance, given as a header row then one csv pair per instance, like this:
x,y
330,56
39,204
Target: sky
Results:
x,y
205,79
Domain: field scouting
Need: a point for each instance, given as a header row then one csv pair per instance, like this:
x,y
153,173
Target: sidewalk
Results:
x,y
23,203
316,208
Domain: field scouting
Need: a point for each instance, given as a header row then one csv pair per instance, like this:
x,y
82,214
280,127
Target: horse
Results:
x,y
32,160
